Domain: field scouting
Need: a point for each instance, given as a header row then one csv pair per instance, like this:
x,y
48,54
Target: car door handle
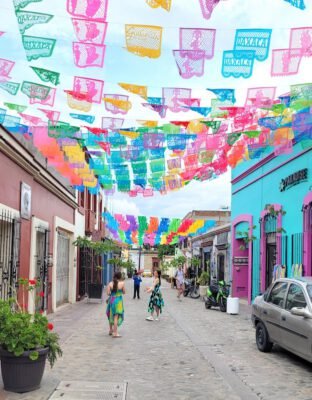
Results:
x,y
283,318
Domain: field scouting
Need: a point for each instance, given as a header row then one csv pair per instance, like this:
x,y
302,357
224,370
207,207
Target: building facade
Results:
x,y
37,225
214,252
271,220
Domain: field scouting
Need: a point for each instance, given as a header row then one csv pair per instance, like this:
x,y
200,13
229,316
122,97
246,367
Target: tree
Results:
x,y
165,250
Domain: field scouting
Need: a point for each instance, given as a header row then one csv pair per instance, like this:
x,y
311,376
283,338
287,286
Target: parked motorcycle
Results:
x,y
191,288
217,294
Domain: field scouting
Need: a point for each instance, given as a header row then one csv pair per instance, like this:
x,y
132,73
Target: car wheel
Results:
x,y
262,338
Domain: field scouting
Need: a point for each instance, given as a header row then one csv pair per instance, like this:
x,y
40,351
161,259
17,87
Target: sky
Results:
x,y
122,66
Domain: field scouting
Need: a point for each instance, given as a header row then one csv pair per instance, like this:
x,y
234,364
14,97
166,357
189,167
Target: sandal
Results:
x,y
116,336
110,333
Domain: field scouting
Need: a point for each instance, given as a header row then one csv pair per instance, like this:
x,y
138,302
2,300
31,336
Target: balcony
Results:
x,y
89,222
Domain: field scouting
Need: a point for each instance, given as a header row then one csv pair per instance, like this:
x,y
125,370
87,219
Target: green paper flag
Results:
x,y
233,137
27,19
10,87
214,125
15,107
18,4
46,75
36,47
252,134
34,90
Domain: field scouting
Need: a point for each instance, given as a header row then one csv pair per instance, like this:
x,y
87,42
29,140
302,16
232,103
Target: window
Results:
x,y
277,294
295,297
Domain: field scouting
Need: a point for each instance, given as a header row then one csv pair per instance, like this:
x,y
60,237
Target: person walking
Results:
x,y
180,282
115,309
156,302
137,282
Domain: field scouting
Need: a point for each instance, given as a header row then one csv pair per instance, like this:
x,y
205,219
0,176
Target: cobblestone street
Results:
x,y
191,353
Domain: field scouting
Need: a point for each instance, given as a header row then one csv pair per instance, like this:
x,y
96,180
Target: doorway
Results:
x,y
62,269
270,257
221,267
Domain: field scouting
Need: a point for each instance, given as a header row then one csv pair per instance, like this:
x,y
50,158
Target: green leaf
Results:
x,y
34,355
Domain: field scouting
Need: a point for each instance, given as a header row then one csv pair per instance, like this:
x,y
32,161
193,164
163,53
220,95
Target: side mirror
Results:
x,y
301,312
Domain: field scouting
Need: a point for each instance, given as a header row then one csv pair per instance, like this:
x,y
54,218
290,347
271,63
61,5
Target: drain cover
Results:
x,y
88,390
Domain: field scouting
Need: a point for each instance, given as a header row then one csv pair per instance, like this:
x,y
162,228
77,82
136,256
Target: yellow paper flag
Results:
x,y
124,105
144,40
166,4
136,89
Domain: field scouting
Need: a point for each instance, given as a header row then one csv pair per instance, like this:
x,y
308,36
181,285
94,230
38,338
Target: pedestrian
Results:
x,y
156,302
115,308
180,282
137,282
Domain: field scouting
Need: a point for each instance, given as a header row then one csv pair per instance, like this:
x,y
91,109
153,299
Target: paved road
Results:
x,y
191,353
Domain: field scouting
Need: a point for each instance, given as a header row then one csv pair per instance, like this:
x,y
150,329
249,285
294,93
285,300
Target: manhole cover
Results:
x,y
88,390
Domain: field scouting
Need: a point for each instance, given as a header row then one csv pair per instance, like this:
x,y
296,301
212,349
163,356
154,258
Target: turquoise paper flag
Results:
x,y
18,4
10,87
46,75
36,47
33,90
88,118
27,19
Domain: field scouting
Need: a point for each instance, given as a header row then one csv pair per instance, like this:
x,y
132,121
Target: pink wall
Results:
x,y
44,205
242,274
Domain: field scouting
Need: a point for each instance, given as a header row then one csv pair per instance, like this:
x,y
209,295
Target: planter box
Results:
x,y
203,290
95,290
21,374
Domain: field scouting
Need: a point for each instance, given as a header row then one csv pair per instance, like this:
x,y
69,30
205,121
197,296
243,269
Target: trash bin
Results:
x,y
232,305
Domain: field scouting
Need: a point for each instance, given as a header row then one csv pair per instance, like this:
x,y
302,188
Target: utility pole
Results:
x,y
140,248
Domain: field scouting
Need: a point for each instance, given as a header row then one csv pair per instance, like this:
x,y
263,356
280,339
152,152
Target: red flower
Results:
x,y
41,312
50,326
41,294
32,281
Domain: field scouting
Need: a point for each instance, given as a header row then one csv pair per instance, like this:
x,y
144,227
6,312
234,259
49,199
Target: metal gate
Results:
x,y
62,268
9,254
41,273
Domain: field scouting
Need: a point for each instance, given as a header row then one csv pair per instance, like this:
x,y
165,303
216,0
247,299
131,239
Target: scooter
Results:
x,y
217,294
191,288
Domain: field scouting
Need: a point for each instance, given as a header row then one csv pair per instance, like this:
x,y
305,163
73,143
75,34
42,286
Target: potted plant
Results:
x,y
203,283
26,341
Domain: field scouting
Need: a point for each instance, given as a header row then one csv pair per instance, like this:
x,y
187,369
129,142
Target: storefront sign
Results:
x,y
294,179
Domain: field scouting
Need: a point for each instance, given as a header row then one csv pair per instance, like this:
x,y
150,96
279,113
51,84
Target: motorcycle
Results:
x,y
191,288
217,294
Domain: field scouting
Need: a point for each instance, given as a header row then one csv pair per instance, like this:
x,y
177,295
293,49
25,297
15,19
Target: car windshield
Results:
x,y
309,290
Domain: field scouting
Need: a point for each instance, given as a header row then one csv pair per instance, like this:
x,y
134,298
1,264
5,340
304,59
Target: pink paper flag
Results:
x,y
112,123
172,98
30,118
5,67
95,9
207,6
93,87
2,33
48,101
190,62
198,39
260,97
301,38
88,54
53,116
285,62
89,31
